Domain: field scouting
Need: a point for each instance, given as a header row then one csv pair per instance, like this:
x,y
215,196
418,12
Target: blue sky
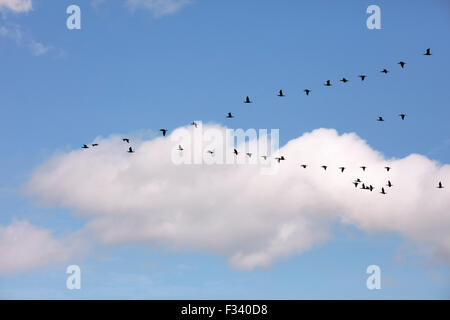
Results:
x,y
129,70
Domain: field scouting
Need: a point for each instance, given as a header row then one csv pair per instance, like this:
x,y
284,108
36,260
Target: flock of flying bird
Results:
x,y
356,183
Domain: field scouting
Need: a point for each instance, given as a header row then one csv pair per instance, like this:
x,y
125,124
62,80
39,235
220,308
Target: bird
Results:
x,y
362,76
180,147
307,91
126,140
85,146
387,168
363,187
195,124
304,166
402,64
247,100
402,115
95,144
164,131
370,188
236,152
358,180
324,167
356,184
384,71
389,184
342,169
280,158
428,52
382,191
264,157
229,115
363,168
211,152
380,119
280,93
130,150
249,154
343,80
328,83
440,186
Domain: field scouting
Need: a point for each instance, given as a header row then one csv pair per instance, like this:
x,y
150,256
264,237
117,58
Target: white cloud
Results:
x,y
234,210
22,38
16,5
158,7
24,246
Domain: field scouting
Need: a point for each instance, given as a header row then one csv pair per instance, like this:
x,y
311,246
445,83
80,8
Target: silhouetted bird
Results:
x,y
95,144
130,150
180,147
229,115
85,146
356,184
247,100
387,168
342,169
264,157
428,52
363,187
402,64
380,119
328,83
280,93
389,184
440,186
384,71
382,191
164,131
195,124
402,115
126,140
280,158
211,152
304,166
236,152
363,167
362,76
249,154
358,180
371,188
307,91
324,167
343,80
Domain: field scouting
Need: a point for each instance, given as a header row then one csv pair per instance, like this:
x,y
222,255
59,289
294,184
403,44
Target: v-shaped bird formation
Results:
x,y
357,182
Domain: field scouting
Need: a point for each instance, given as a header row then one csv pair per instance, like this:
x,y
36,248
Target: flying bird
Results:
x,y
247,100
362,76
356,184
307,91
164,131
402,115
387,168
380,119
428,52
85,146
363,187
440,186
280,93
370,188
236,152
211,152
384,71
195,124
358,180
264,157
95,144
130,150
180,147
304,166
229,115
126,140
324,167
402,64
328,83
343,80
280,158
342,169
364,168
249,154
382,191
389,184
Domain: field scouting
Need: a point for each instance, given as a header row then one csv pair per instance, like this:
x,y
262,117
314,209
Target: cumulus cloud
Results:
x,y
22,38
24,246
158,7
16,5
234,210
